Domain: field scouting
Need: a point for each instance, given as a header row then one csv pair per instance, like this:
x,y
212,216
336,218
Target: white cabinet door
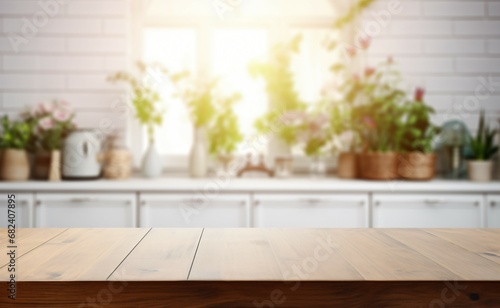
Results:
x,y
194,211
23,209
310,211
493,211
90,210
427,211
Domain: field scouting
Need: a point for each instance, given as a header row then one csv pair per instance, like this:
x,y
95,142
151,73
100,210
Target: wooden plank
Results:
x,y
256,294
235,254
79,254
26,241
484,242
163,255
466,264
378,257
310,254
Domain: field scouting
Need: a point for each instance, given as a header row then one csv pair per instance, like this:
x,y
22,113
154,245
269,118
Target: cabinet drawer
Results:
x,y
310,211
427,211
194,211
24,207
493,211
85,210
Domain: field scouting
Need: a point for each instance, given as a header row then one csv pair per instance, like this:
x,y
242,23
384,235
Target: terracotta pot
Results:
x,y
347,165
378,166
15,165
417,166
41,166
480,170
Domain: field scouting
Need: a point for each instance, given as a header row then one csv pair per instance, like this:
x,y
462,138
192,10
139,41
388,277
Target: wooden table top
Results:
x,y
254,255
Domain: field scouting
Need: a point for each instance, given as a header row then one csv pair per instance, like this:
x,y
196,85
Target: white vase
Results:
x,y
278,149
198,158
151,163
480,170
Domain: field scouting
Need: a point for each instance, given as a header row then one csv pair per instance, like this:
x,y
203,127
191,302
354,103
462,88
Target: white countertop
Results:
x,y
304,184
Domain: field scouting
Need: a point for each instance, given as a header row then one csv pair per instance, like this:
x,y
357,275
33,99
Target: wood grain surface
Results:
x,y
255,268
163,255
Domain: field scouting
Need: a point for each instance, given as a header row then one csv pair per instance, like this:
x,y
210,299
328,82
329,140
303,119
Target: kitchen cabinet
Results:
x,y
88,210
427,211
194,210
493,211
24,212
310,210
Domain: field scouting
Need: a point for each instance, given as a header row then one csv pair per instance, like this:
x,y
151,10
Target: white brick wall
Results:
x,y
69,57
446,46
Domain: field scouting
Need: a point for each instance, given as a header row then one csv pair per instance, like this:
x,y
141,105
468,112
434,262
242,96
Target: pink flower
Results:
x,y
419,94
37,110
369,71
46,123
48,107
62,115
351,51
369,122
365,42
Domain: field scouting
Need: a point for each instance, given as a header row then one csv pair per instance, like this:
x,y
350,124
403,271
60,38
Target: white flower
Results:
x,y
46,123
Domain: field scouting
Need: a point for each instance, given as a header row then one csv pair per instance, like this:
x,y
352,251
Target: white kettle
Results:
x,y
82,156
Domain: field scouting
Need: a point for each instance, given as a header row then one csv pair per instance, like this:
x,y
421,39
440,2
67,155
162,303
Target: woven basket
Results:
x,y
347,165
378,166
417,166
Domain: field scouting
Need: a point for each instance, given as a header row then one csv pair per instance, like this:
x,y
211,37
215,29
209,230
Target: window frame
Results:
x,y
279,30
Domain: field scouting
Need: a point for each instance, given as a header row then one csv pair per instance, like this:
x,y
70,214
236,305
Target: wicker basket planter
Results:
x,y
378,166
417,166
15,165
347,165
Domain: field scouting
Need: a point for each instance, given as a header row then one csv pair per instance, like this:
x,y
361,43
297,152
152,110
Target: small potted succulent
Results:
x,y
14,141
224,134
53,122
480,165
418,160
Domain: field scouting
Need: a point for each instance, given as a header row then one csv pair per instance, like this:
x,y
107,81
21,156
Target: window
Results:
x,y
191,35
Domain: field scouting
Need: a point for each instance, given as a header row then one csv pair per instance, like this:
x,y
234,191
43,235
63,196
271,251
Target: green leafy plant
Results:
x,y
315,133
483,146
353,12
145,97
419,131
52,122
281,91
15,135
200,99
224,134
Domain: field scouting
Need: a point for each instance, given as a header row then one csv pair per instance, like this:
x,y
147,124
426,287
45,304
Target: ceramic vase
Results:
x,y
55,166
198,158
151,164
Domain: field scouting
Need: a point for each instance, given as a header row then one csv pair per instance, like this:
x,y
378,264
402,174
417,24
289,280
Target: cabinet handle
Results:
x,y
476,204
377,203
24,202
82,200
38,202
256,202
433,201
362,203
144,203
493,203
312,201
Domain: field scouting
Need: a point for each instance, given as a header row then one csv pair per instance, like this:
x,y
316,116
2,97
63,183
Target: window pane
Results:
x,y
311,66
232,52
174,48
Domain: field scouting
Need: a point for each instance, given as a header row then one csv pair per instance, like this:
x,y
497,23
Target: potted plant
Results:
x,y
418,160
224,134
15,139
148,110
480,165
200,100
53,122
283,98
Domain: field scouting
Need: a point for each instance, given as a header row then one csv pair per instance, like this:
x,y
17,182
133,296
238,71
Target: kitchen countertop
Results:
x,y
299,184
236,267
